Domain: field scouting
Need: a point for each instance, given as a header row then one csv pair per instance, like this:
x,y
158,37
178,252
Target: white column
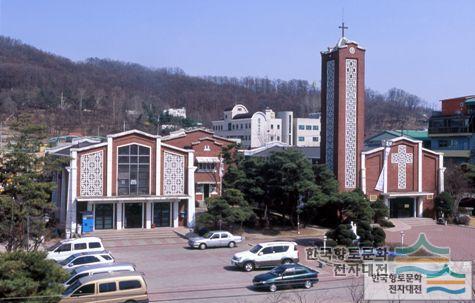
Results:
x,y
415,203
363,173
148,215
175,213
158,167
120,207
109,167
420,206
419,169
71,209
441,171
191,190
89,206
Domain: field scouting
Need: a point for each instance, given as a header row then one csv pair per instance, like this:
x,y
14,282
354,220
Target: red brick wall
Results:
x,y
340,97
374,165
104,168
430,164
453,106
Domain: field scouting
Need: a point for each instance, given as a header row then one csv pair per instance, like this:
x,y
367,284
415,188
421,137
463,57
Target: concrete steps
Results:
x,y
140,234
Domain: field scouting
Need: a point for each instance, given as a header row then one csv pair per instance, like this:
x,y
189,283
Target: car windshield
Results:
x,y
278,270
67,260
255,249
207,235
72,288
53,247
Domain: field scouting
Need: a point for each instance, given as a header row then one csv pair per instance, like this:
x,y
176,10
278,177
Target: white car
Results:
x,y
65,248
268,254
96,269
87,258
216,238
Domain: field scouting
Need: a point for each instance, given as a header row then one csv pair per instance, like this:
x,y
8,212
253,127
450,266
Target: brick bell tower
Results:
x,y
342,97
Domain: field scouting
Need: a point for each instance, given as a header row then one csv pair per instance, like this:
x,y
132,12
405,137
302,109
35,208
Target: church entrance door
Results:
x,y
402,207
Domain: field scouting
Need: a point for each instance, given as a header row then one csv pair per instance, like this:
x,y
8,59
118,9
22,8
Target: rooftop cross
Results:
x,y
343,27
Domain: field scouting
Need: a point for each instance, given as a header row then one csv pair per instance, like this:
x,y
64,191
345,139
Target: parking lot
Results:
x,y
176,273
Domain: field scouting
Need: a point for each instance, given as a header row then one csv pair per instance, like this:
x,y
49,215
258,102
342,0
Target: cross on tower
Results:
x,y
343,27
401,158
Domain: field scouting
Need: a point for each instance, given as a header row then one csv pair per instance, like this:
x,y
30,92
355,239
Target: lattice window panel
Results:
x,y
401,158
350,123
174,174
330,114
91,168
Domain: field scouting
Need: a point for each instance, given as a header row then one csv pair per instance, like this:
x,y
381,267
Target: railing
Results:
x,y
449,130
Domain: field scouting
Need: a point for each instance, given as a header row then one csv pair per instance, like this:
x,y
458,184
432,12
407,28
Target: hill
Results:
x,y
99,96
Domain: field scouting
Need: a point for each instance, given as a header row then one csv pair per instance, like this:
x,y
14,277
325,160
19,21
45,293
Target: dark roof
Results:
x,y
309,152
243,116
67,150
228,108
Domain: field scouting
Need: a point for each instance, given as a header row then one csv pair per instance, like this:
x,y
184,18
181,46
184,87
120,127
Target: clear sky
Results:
x,y
425,47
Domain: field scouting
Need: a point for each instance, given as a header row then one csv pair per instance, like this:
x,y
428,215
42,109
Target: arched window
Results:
x,y
133,170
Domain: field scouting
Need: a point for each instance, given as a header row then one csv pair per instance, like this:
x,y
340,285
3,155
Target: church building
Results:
x,y
133,180
401,171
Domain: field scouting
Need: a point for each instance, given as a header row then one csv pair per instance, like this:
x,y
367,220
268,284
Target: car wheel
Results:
x,y
248,266
308,284
130,301
287,261
202,246
272,287
231,244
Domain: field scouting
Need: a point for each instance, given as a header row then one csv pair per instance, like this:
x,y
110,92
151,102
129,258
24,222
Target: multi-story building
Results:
x,y
209,161
452,130
307,131
133,180
257,129
176,112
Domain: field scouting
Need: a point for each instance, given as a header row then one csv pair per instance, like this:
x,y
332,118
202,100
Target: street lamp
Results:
x,y
325,243
402,238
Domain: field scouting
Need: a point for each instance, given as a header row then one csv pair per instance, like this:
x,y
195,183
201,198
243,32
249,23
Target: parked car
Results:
x,y
286,275
87,258
268,254
65,248
96,269
217,238
111,288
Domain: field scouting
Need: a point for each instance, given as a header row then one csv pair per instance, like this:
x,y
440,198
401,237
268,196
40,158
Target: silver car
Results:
x,y
217,238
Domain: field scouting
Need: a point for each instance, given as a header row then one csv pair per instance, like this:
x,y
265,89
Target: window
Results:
x,y
315,127
278,126
85,290
301,139
77,277
272,126
134,170
315,139
206,167
308,127
106,257
64,247
107,287
95,245
278,138
224,236
301,127
215,236
80,246
85,260
229,126
272,138
281,249
444,143
131,284
207,148
267,250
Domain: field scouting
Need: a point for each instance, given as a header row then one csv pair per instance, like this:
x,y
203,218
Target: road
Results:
x,y
176,273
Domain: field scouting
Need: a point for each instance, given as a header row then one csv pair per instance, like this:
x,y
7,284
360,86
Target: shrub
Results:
x,y
379,236
462,220
385,223
342,235
444,204
381,211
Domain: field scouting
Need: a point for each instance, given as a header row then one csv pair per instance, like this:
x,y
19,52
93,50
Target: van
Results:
x,y
68,247
268,254
97,269
118,287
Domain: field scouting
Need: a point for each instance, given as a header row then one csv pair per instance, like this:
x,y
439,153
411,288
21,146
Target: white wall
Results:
x,y
307,134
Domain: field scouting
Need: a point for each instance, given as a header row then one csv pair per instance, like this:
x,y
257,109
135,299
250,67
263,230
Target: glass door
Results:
x,y
104,216
161,214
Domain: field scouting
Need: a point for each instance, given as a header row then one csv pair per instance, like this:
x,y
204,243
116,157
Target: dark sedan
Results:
x,y
286,275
